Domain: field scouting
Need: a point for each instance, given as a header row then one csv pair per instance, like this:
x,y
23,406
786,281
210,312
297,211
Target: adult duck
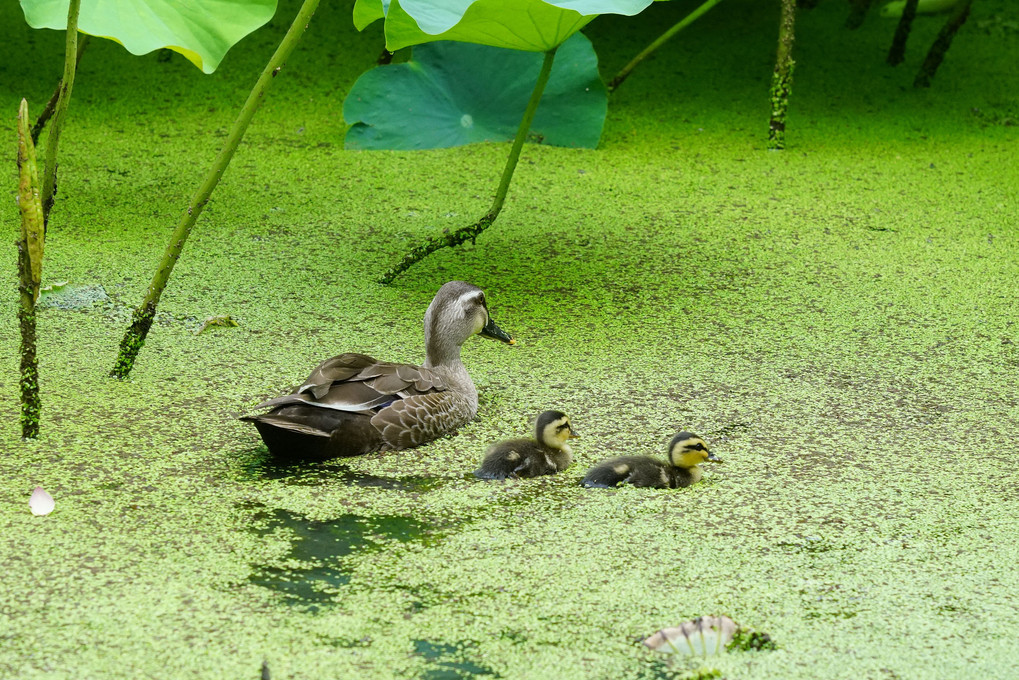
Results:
x,y
354,404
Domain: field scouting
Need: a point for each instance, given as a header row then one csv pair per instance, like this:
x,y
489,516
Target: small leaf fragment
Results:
x,y
223,320
41,503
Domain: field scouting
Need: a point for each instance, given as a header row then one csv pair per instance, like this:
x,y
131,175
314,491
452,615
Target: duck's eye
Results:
x,y
564,426
697,447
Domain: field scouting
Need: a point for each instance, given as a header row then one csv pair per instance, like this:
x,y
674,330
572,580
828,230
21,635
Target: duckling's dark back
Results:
x,y
638,471
519,457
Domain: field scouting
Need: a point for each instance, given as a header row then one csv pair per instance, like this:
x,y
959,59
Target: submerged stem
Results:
x,y
135,335
471,232
662,39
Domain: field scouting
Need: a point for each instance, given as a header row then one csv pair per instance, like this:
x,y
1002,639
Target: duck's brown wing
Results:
x,y
420,418
377,405
360,384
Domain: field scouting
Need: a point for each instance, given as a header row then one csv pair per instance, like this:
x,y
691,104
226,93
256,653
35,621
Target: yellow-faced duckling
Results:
x,y
546,454
354,404
686,452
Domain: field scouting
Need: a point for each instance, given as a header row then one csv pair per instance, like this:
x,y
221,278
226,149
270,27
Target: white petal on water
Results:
x,y
703,636
41,503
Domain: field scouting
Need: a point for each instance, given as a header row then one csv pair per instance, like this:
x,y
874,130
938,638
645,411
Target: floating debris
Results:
x,y
70,296
41,503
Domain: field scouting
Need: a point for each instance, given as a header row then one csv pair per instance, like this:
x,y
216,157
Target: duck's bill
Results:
x,y
492,331
713,458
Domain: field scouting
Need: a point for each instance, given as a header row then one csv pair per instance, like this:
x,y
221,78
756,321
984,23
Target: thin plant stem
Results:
x,y
51,105
141,321
662,39
941,44
49,181
897,52
471,232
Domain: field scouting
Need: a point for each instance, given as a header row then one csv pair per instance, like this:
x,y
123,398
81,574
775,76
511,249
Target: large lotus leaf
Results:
x,y
450,94
201,30
531,25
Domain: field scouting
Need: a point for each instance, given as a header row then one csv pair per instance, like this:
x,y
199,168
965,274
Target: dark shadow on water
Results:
x,y
450,661
318,549
259,464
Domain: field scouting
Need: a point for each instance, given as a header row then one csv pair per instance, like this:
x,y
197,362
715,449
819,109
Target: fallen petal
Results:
x,y
41,503
703,636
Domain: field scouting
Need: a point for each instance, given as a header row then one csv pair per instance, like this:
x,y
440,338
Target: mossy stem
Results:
x,y
30,253
31,401
661,40
142,318
51,105
472,231
49,181
782,78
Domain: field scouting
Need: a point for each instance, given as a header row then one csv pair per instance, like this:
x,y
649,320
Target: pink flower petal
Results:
x,y
41,503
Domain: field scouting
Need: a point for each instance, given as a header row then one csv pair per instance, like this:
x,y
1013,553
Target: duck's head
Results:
x,y
553,429
457,312
687,450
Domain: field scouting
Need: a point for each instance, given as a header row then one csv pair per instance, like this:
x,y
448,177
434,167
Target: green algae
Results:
x,y
837,320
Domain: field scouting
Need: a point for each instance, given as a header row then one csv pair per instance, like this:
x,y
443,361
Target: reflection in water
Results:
x,y
450,661
261,465
314,568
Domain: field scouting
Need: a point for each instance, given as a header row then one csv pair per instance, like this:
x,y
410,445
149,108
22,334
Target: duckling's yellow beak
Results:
x,y
490,330
573,435
713,458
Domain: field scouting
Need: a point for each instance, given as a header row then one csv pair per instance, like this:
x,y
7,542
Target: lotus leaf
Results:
x,y
450,94
201,30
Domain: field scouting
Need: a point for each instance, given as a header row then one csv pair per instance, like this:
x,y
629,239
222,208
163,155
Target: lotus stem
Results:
x,y
30,250
49,181
47,110
941,44
471,232
662,39
897,52
135,335
782,78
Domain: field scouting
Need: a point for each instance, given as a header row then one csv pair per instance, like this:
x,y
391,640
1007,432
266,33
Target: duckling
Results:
x,y
546,454
686,452
354,404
